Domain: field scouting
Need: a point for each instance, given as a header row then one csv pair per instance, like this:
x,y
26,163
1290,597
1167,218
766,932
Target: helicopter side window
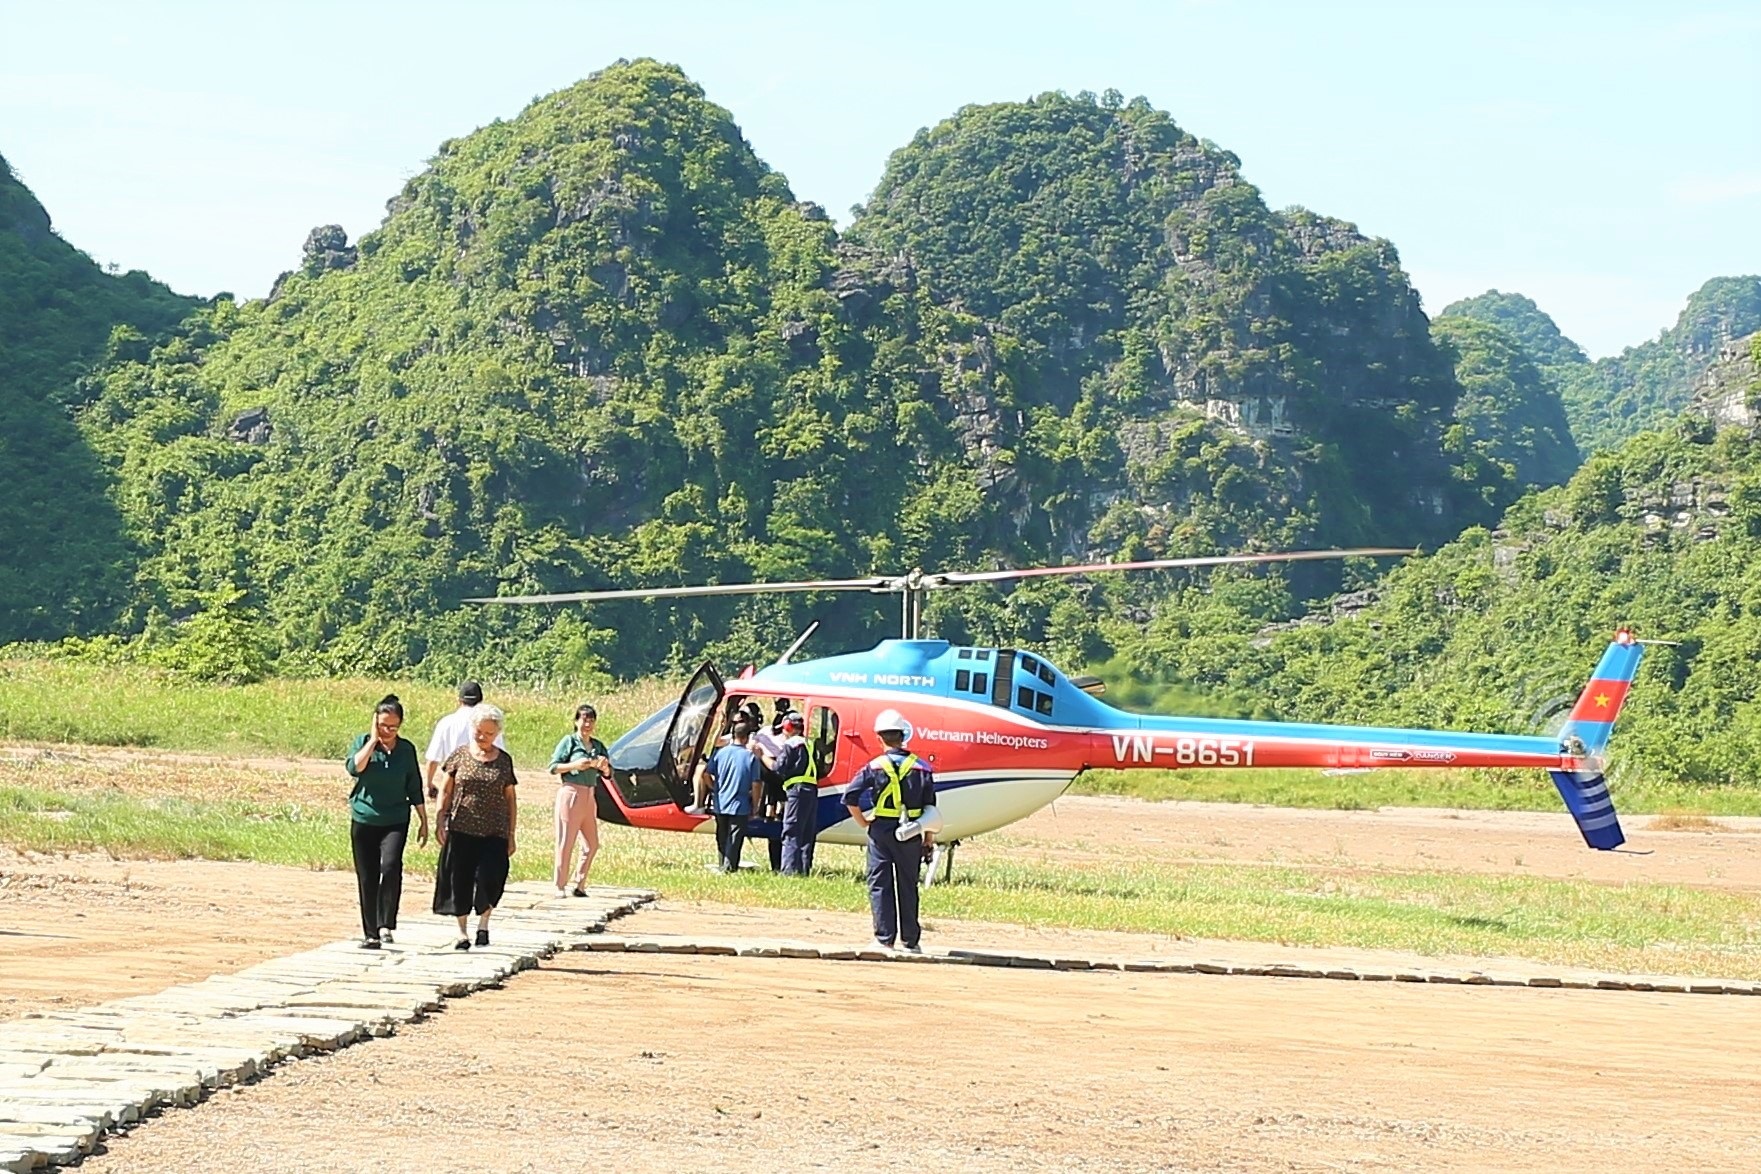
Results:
x,y
822,732
1000,682
1028,697
981,683
962,680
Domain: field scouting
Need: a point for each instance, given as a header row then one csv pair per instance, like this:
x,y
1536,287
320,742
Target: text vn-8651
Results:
x,y
1183,751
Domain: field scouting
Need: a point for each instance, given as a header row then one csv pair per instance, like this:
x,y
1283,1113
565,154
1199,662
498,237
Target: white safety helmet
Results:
x,y
891,719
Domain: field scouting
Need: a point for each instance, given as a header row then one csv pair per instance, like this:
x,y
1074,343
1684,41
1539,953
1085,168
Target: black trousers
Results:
x,y
800,827
892,883
472,874
730,840
379,872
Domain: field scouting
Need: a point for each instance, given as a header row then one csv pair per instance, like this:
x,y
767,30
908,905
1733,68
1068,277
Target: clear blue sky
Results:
x,y
1604,159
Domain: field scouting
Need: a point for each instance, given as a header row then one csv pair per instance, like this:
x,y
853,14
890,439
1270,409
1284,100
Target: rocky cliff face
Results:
x,y
1729,393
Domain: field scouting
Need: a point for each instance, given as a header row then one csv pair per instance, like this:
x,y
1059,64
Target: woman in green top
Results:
x,y
580,761
388,782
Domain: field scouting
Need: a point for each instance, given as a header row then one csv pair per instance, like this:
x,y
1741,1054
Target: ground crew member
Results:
x,y
800,775
896,785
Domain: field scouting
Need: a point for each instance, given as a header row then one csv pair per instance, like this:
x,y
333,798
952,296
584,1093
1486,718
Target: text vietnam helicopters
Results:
x,y
1006,731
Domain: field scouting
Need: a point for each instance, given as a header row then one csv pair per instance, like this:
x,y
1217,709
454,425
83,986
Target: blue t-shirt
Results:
x,y
734,768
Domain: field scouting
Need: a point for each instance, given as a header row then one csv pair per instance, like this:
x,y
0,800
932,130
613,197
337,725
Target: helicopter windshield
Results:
x,y
639,749
653,762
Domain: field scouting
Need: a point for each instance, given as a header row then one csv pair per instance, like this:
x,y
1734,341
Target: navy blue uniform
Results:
x,y
800,806
895,782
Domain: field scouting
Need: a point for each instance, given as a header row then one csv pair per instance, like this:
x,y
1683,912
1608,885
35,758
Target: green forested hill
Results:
x,y
1206,370
63,559
1509,408
602,344
1532,326
1499,629
1614,398
1645,385
598,345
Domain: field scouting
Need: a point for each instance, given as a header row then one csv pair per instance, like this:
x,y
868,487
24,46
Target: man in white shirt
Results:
x,y
452,732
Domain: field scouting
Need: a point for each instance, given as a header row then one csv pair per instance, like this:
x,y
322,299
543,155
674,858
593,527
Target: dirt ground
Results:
x,y
649,1061
1722,853
718,1063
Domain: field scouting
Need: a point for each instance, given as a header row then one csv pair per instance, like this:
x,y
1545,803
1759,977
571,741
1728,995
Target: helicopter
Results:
x,y
1006,731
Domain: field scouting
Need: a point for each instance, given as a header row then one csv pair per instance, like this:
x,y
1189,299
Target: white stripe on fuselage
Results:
x,y
898,698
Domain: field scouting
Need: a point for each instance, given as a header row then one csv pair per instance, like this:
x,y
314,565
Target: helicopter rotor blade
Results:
x,y
919,581
955,578
707,589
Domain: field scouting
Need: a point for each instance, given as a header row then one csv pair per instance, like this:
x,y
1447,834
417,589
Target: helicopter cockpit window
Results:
x,y
640,748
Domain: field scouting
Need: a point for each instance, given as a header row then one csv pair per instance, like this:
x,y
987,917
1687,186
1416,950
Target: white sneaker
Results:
x,y
562,892
880,945
696,809
385,936
911,949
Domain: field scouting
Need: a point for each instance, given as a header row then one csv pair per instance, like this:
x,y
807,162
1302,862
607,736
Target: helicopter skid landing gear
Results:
x,y
941,859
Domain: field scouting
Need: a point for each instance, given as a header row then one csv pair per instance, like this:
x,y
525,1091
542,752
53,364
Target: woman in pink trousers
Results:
x,y
579,762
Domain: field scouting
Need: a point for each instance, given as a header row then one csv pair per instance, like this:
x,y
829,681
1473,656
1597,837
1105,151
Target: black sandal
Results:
x,y
578,891
369,943
462,944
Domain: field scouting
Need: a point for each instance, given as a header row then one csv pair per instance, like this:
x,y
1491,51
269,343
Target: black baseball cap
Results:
x,y
471,693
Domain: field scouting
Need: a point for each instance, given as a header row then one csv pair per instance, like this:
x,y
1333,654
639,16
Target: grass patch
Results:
x,y
128,705
1685,821
1634,927
1468,789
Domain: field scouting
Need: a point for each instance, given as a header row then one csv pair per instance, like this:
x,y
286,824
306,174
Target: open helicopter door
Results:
x,y
655,762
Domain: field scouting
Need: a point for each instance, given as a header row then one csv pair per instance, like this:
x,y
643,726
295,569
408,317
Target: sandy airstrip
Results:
x,y
678,1061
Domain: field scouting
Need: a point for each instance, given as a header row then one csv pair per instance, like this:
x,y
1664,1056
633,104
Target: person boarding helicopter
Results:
x,y
800,776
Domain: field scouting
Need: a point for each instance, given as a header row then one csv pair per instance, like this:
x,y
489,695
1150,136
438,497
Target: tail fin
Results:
x,y
1586,734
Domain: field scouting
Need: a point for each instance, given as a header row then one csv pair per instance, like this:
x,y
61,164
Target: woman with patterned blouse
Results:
x,y
477,819
580,761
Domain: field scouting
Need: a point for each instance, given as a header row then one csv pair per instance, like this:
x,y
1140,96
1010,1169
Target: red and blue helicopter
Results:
x,y
1006,731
